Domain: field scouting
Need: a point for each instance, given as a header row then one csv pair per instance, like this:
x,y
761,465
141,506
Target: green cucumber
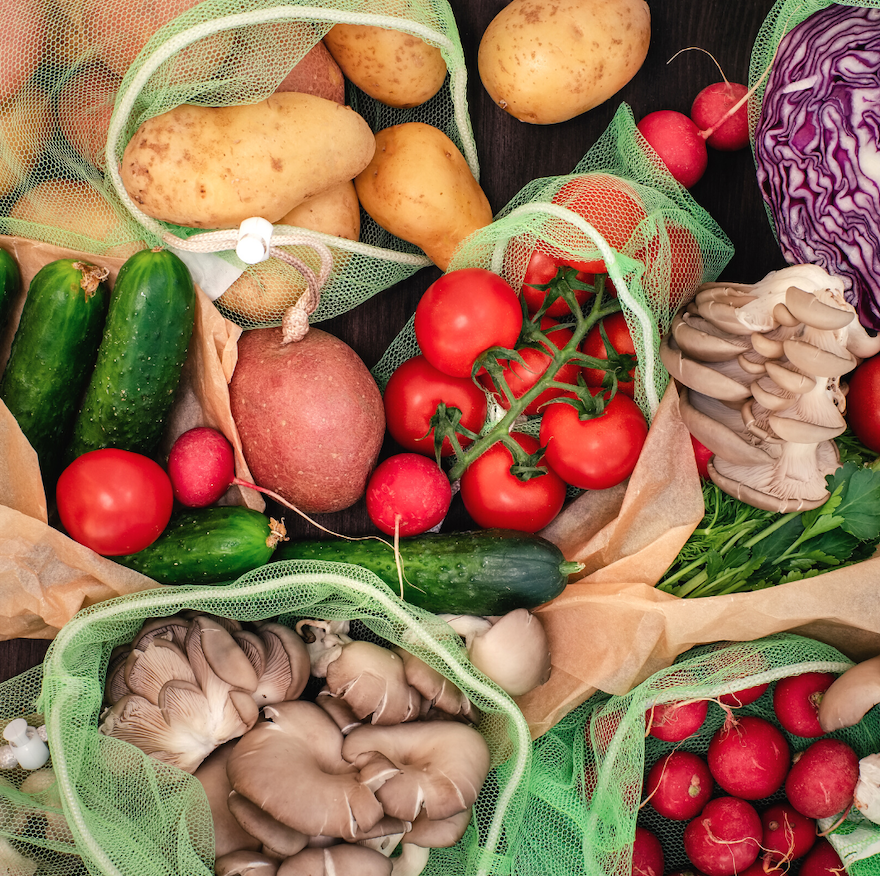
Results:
x,y
10,286
208,546
149,326
486,572
53,354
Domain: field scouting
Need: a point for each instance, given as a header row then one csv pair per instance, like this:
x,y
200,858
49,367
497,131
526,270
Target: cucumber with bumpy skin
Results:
x,y
149,326
10,285
486,572
208,546
52,355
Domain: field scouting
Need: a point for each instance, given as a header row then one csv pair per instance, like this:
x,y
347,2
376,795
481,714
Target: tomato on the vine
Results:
x,y
863,402
114,501
495,497
541,269
610,204
620,339
464,313
674,265
523,376
597,453
411,397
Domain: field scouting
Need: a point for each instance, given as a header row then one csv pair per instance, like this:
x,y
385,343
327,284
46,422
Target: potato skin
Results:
x,y
309,415
547,61
213,167
393,67
419,187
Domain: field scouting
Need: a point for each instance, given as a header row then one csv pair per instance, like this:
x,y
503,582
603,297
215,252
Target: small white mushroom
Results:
x,y
324,642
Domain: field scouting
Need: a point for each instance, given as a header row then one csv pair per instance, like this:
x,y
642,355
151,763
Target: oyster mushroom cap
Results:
x,y
437,691
173,629
287,668
443,765
292,766
245,863
850,696
324,642
427,834
275,838
147,670
220,653
372,680
338,709
229,836
343,859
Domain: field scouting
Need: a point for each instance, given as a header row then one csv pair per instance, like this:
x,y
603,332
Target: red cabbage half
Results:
x,y
817,149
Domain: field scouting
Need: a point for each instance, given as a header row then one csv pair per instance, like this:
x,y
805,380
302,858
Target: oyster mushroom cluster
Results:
x,y
188,683
384,755
761,369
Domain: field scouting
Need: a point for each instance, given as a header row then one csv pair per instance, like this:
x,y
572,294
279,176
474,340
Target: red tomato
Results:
x,y
598,453
542,269
863,403
464,313
521,378
494,497
609,204
114,501
411,397
621,340
674,264
702,454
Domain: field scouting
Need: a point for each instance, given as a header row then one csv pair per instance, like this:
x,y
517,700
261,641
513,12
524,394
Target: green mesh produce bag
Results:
x,y
657,243
130,815
91,71
585,785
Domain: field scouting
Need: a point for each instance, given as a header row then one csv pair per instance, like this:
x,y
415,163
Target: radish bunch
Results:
x,y
745,798
718,118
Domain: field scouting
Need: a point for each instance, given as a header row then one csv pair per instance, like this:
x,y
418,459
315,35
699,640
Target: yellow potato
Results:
x,y
25,124
336,211
547,61
213,167
419,188
77,207
395,68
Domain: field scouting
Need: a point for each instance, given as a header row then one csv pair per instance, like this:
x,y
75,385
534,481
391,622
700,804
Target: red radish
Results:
x,y
702,455
787,834
647,858
822,860
796,702
724,838
201,465
408,492
708,112
744,697
676,139
679,785
673,722
823,779
749,757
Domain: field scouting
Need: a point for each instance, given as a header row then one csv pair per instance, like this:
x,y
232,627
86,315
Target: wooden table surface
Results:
x,y
512,154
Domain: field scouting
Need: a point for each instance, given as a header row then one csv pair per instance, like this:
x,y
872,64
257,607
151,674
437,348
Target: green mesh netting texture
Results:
x,y
587,774
85,74
657,244
122,812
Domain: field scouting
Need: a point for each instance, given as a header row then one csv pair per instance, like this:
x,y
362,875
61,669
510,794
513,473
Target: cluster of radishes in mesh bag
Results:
x,y
761,793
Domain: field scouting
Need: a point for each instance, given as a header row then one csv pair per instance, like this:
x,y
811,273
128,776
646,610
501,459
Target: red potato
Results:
x,y
22,41
677,141
317,73
746,695
822,860
310,417
711,105
679,785
647,857
675,721
796,702
822,779
788,835
408,494
85,105
749,758
724,838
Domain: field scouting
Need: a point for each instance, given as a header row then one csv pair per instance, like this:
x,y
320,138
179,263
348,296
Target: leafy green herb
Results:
x,y
741,548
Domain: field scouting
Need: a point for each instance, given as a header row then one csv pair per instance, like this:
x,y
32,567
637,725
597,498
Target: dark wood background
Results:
x,y
512,154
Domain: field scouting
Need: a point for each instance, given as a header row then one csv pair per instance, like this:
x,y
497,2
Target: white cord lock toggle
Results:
x,y
254,237
29,749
